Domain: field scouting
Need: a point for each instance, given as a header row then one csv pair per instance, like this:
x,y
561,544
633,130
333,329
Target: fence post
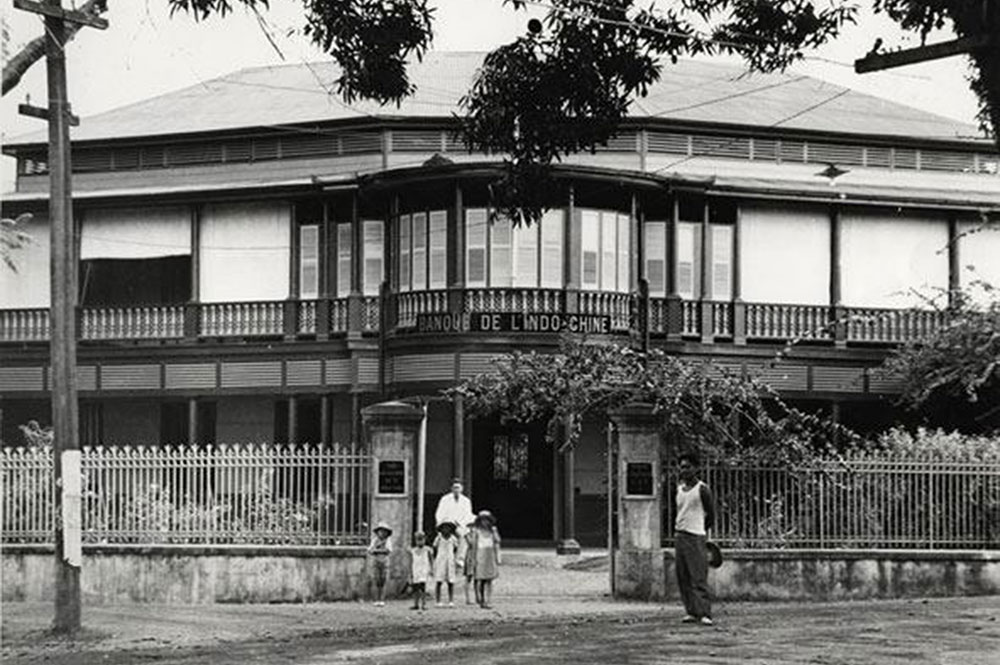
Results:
x,y
639,560
391,433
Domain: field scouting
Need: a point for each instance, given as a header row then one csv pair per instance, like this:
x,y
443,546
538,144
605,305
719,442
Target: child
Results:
x,y
467,560
420,570
379,551
487,555
445,564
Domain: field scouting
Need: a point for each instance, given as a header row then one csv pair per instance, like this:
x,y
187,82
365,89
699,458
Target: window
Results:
x,y
420,251
552,249
656,258
624,253
526,255
475,247
309,261
501,236
590,237
404,253
722,262
687,276
373,251
609,247
343,260
439,250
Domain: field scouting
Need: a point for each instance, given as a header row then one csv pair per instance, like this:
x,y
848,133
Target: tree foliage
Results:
x,y
954,373
12,237
722,413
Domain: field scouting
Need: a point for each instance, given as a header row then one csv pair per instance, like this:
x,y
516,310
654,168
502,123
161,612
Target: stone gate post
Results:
x,y
391,432
639,563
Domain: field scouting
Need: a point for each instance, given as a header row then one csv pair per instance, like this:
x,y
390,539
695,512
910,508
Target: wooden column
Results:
x,y
456,263
568,543
954,262
705,277
192,421
458,438
192,323
355,299
355,419
739,307
293,419
674,323
325,433
571,252
838,311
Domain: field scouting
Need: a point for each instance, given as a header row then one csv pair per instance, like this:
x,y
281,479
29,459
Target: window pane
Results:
x,y
500,253
609,244
420,251
552,249
475,243
526,262
439,250
722,248
624,253
343,260
656,255
373,251
404,253
590,233
686,260
309,261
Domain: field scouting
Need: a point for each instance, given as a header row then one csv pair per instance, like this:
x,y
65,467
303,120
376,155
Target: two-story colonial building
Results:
x,y
258,261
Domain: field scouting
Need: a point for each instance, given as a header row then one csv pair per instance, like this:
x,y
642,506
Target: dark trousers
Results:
x,y
691,563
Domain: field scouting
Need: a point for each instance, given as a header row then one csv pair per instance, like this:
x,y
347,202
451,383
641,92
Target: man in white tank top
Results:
x,y
695,518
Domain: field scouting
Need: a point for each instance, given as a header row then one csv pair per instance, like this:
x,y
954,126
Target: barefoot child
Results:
x,y
420,570
467,560
487,555
379,551
445,561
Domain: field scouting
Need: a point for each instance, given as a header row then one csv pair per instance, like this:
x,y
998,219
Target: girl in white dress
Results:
x,y
446,561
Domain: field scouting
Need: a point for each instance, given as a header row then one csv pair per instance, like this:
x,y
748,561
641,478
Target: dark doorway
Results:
x,y
122,282
174,423
512,477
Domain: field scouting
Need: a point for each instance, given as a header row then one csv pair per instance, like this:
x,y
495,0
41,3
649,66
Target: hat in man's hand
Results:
x,y
714,553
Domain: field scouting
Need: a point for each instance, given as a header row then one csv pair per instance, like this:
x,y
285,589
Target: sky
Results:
x,y
145,52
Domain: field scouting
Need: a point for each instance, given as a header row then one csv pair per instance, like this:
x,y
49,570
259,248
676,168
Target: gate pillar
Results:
x,y
639,563
391,433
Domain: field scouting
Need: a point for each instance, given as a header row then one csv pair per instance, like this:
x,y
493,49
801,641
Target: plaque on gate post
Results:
x,y
639,479
391,478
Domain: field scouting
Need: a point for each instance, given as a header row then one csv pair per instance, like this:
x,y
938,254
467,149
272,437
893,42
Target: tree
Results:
x,y
725,414
12,238
953,374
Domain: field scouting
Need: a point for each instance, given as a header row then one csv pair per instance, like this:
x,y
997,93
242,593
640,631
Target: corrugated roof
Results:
x,y
693,91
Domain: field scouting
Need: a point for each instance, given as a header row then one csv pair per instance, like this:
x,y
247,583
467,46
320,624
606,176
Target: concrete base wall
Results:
x,y
820,575
192,576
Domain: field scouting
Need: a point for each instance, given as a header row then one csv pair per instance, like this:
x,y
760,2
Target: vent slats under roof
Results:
x,y
409,140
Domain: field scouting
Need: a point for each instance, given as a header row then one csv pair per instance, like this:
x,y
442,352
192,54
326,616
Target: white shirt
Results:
x,y
690,511
450,509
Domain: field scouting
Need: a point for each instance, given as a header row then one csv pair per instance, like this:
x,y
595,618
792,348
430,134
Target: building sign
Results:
x,y
514,322
639,479
391,477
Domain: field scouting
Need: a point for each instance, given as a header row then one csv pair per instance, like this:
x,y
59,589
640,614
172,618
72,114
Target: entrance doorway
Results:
x,y
512,477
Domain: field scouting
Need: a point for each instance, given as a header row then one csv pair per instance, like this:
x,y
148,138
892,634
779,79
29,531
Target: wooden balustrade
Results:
x,y
142,322
888,326
787,322
320,318
410,305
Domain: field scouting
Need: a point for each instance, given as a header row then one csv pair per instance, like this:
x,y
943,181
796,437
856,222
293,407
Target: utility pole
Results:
x,y
62,318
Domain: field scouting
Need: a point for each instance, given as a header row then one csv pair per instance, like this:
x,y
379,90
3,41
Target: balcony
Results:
x,y
706,321
288,319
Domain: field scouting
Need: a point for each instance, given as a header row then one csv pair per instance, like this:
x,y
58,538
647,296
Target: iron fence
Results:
x,y
246,494
864,502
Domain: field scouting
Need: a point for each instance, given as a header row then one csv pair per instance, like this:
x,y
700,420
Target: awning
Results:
x,y
135,233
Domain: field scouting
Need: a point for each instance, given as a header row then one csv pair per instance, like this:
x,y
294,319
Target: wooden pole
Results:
x,y
65,416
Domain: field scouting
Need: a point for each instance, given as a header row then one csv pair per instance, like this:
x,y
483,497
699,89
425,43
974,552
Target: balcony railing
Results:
x,y
277,318
707,321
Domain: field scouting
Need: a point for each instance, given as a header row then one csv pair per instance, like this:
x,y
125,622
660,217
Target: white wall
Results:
x,y
29,285
785,255
131,422
244,420
883,258
979,253
245,252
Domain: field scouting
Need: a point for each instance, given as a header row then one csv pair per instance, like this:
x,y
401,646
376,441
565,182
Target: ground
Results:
x,y
541,615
